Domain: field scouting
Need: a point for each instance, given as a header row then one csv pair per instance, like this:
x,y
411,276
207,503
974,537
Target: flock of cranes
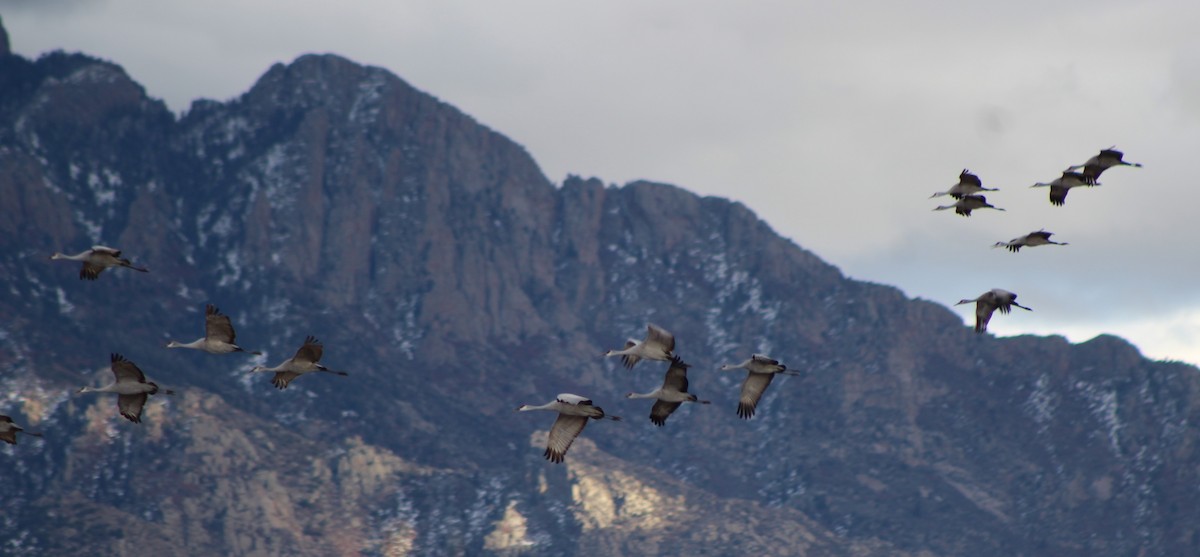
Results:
x,y
133,389
129,381
574,411
966,193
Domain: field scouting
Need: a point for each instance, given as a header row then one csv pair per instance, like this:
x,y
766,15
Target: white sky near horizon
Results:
x,y
834,122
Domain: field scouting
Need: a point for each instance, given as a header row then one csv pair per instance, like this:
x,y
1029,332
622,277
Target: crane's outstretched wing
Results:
x,y
126,371
983,314
130,406
662,410
90,271
1058,195
676,377
752,390
217,325
966,177
566,428
311,351
283,378
660,336
629,360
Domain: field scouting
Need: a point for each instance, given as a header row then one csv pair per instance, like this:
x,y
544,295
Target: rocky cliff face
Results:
x,y
454,282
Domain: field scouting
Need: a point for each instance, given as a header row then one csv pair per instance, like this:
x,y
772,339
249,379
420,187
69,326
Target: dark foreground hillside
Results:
x,y
454,282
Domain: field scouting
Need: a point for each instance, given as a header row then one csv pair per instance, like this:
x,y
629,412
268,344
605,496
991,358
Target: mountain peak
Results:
x,y
324,80
4,48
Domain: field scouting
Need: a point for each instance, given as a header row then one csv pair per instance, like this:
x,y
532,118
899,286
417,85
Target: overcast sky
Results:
x,y
834,121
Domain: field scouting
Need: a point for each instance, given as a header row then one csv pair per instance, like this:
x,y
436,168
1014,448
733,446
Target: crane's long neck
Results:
x,y
196,344
77,257
732,367
547,406
104,389
265,369
624,352
651,394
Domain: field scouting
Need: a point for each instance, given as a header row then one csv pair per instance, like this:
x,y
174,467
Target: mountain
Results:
x,y
453,282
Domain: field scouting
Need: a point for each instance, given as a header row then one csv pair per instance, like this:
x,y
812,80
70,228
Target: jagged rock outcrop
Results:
x,y
5,50
454,281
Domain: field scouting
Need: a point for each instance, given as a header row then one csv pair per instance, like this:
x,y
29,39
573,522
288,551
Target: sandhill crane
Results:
x,y
131,387
968,203
968,184
218,335
96,260
1107,159
658,345
573,413
8,430
305,361
1063,184
761,371
992,300
1036,238
672,393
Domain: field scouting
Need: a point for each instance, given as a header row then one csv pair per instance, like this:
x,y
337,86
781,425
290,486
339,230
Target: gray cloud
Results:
x,y
49,7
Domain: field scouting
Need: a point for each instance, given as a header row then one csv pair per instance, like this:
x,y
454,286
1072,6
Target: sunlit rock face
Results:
x,y
453,282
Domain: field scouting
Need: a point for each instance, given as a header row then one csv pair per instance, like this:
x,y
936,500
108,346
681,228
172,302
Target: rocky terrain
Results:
x,y
453,281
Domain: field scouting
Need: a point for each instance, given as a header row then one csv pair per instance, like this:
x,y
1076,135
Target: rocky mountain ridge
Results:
x,y
454,282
